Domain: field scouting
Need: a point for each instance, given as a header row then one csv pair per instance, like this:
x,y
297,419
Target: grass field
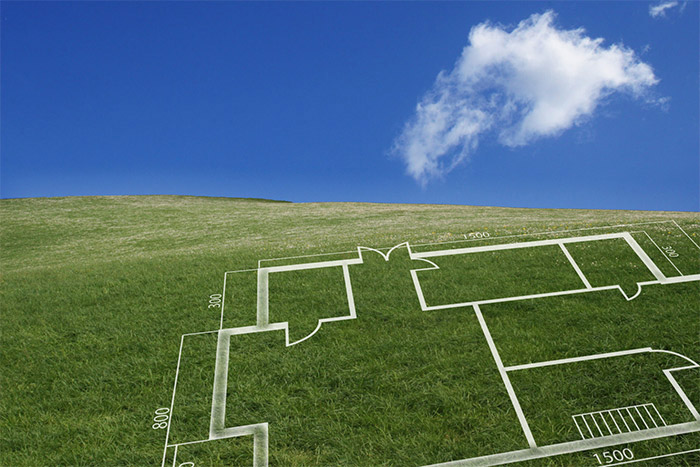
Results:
x,y
97,292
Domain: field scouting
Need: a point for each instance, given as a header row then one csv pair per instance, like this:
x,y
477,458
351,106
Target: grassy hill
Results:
x,y
96,292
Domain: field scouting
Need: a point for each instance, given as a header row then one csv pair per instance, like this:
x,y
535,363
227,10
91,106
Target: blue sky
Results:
x,y
318,102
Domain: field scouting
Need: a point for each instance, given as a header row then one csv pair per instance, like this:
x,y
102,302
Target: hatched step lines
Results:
x,y
617,421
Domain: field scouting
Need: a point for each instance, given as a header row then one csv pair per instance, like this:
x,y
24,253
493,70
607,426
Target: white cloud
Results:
x,y
660,9
534,81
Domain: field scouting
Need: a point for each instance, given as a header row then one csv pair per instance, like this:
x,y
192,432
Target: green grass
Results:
x,y
610,262
303,297
509,273
96,292
549,399
662,317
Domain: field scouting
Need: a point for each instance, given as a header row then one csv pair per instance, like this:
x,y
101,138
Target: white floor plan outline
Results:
x,y
654,266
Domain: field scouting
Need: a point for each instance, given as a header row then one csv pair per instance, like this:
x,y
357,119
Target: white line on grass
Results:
x,y
201,332
263,304
642,417
663,253
419,290
659,414
618,408
312,256
540,233
685,234
351,307
596,424
644,257
218,398
506,380
632,417
682,395
522,297
683,368
509,246
317,265
655,457
609,413
693,363
348,290
623,419
573,263
614,421
217,424
676,280
514,246
641,254
459,241
217,427
650,416
606,423
189,442
172,401
587,426
573,446
577,359
241,270
223,301
578,428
